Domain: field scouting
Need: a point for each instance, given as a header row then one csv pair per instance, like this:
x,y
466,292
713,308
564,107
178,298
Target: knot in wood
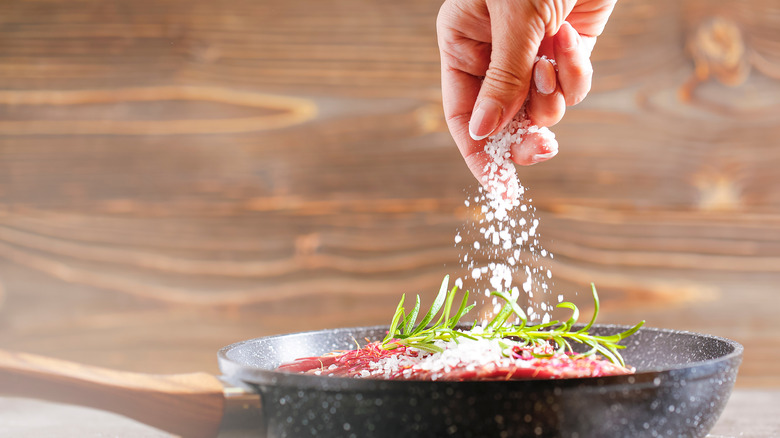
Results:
x,y
718,49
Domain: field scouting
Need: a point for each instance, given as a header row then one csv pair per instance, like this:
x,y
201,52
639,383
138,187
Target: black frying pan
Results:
x,y
682,384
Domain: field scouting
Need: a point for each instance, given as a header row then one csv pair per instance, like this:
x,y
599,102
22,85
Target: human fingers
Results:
x,y
546,109
507,79
575,71
463,88
546,105
534,147
463,34
590,16
463,30
458,96
545,76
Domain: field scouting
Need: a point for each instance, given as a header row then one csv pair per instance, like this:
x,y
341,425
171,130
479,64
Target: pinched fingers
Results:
x,y
575,72
544,76
546,104
506,81
534,147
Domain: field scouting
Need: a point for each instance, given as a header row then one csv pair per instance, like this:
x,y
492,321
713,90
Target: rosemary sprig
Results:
x,y
404,332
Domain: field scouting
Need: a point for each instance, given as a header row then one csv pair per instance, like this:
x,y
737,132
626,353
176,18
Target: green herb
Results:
x,y
404,332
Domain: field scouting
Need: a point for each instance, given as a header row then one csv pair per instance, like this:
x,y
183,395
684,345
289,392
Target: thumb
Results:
x,y
517,29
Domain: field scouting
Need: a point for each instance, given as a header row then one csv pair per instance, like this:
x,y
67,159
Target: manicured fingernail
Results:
x,y
538,158
567,37
544,77
484,119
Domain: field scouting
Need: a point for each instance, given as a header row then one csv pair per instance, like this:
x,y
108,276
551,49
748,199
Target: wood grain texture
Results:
x,y
189,405
178,175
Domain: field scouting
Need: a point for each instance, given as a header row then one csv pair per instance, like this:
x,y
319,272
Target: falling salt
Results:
x,y
505,253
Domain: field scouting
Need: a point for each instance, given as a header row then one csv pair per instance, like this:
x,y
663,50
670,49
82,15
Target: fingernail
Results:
x,y
567,37
538,158
484,119
544,77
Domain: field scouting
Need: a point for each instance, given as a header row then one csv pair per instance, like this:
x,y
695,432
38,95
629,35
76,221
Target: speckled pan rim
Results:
x,y
269,377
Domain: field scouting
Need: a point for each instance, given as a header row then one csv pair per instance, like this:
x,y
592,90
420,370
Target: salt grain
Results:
x,y
508,231
471,354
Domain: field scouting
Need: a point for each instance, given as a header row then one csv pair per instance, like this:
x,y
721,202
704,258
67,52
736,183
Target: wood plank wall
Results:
x,y
176,175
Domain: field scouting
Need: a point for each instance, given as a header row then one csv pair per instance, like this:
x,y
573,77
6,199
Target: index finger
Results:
x,y
459,92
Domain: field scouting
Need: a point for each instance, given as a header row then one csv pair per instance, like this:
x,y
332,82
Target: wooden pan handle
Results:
x,y
190,405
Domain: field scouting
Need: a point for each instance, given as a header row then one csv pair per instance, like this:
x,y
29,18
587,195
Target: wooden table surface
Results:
x,y
178,175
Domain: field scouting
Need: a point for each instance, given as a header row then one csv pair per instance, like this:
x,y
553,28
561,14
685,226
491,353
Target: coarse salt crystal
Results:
x,y
505,235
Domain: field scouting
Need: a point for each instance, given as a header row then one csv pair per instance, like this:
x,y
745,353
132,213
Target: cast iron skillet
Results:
x,y
682,384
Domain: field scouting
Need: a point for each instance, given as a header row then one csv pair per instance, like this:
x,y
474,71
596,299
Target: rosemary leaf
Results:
x,y
405,333
399,310
412,318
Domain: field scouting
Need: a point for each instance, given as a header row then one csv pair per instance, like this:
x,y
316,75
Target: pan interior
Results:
x,y
649,350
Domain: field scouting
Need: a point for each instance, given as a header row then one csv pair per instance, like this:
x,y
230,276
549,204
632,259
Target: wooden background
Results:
x,y
178,175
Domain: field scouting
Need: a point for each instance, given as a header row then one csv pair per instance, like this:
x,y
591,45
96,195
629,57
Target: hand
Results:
x,y
488,57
